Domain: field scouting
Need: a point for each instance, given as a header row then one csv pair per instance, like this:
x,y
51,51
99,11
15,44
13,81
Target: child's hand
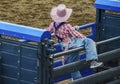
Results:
x,y
66,41
63,60
76,27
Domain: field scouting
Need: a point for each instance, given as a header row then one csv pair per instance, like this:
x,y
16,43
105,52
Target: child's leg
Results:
x,y
91,52
76,75
72,58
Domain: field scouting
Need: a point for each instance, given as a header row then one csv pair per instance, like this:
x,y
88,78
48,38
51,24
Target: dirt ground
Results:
x,y
36,13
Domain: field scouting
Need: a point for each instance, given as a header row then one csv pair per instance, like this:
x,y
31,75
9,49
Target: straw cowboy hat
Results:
x,y
60,13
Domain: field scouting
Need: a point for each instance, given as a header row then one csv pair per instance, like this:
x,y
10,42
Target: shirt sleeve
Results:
x,y
51,28
74,33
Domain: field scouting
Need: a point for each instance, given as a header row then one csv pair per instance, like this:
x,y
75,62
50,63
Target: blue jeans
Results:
x,y
71,58
91,52
88,44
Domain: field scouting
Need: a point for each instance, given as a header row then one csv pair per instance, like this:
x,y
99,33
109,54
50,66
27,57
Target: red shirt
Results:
x,y
65,31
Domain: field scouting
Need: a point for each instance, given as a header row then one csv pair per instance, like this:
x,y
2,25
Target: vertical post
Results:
x,y
0,70
0,61
45,63
99,14
49,48
98,23
40,64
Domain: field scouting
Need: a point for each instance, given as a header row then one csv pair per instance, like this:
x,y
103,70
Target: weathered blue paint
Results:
x,y
23,32
113,5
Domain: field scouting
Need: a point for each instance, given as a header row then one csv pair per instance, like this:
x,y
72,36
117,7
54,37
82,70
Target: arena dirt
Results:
x,y
36,13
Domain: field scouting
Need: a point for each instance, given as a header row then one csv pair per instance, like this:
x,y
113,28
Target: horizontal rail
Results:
x,y
81,48
23,32
84,27
79,65
87,25
98,77
115,81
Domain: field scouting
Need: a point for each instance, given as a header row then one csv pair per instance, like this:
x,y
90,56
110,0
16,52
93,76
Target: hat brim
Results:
x,y
56,18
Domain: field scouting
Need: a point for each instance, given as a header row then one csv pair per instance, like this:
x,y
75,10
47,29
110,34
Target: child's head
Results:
x,y
60,13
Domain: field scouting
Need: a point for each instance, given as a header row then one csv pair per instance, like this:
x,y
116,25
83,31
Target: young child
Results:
x,y
69,38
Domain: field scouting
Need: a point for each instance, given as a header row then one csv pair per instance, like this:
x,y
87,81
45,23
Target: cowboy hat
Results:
x,y
60,13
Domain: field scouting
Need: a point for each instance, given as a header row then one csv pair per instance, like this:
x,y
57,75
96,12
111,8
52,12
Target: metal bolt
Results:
x,y
18,73
35,68
103,29
103,17
18,61
35,79
18,51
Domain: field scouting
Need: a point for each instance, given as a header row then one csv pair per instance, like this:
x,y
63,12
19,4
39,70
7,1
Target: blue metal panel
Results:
x,y
8,80
24,32
9,48
28,76
29,64
93,29
62,78
113,5
9,71
29,52
0,68
19,63
58,47
9,58
110,27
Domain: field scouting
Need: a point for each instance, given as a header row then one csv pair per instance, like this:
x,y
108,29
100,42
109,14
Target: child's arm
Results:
x,y
74,33
50,28
66,41
63,57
